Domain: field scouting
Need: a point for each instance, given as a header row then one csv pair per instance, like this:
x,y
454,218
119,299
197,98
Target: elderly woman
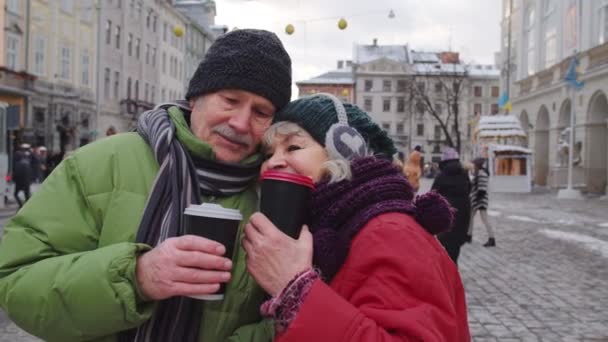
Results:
x,y
367,267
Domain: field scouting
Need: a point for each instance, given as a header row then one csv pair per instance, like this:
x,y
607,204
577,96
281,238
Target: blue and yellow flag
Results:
x,y
571,77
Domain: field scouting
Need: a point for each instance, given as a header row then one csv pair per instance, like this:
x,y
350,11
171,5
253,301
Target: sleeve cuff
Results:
x,y
284,307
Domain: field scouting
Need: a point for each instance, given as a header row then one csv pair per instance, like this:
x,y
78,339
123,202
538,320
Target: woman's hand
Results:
x,y
274,258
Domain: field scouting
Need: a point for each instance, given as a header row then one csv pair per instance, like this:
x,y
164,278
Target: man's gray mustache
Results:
x,y
227,132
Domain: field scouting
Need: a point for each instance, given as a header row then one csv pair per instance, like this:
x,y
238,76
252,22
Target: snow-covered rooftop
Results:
x,y
483,71
367,53
509,148
341,76
425,57
439,68
499,126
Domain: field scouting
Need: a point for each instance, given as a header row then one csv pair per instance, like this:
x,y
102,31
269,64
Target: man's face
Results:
x,y
231,121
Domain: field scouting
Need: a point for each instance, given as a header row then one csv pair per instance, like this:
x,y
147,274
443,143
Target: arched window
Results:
x,y
129,88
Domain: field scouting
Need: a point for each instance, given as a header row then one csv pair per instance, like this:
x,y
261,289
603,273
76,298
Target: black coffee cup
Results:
x,y
284,200
214,222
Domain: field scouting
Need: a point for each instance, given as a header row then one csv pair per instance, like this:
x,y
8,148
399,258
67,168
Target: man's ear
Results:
x,y
191,103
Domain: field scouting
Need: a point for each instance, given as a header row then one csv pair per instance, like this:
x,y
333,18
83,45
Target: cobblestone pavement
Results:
x,y
545,281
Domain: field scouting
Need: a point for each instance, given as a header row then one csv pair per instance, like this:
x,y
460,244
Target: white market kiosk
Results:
x,y
500,139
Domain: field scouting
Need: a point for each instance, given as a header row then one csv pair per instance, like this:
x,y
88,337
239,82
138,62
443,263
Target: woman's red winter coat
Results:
x,y
397,284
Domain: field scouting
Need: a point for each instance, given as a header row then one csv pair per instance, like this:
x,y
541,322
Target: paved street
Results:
x,y
545,281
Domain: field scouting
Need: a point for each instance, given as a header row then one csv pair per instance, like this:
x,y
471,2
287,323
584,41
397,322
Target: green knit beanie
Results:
x,y
317,113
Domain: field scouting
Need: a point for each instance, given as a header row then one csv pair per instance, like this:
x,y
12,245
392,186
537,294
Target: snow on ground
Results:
x,y
494,213
523,218
603,225
588,242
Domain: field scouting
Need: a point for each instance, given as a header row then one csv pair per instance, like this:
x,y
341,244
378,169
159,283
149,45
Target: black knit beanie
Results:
x,y
251,60
317,113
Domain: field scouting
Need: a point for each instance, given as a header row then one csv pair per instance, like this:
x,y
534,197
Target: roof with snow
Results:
x,y
499,126
477,70
367,53
509,148
341,76
425,57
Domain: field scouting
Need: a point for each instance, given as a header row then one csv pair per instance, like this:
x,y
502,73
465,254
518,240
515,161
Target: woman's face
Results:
x,y
296,153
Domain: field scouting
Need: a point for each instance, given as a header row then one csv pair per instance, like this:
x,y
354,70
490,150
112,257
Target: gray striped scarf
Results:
x,y
175,187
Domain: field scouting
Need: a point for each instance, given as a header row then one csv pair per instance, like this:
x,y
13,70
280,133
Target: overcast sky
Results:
x,y
471,26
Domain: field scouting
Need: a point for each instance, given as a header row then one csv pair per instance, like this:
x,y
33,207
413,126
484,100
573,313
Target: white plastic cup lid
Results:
x,y
213,210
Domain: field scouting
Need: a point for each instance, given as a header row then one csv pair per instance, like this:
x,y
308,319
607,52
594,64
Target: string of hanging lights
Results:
x,y
342,22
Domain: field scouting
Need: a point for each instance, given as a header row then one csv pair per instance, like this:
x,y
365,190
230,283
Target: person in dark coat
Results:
x,y
23,173
453,183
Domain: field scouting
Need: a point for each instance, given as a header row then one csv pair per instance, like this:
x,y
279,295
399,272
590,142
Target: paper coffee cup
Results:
x,y
214,222
284,199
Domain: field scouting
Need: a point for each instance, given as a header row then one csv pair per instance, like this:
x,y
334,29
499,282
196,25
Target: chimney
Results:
x,y
375,42
340,64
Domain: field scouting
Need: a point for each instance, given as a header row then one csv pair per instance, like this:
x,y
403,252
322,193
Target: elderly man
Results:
x,y
99,252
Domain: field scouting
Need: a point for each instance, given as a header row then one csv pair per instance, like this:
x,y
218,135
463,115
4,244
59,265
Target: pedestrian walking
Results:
x,y
23,173
479,201
100,253
412,169
453,183
369,267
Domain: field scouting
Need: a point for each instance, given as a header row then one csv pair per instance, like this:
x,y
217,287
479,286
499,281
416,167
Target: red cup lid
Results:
x,y
288,177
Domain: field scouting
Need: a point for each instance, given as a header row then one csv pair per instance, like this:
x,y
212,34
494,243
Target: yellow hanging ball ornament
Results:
x,y
342,23
289,29
178,31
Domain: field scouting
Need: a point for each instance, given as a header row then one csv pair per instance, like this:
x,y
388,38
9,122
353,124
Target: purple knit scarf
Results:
x,y
340,210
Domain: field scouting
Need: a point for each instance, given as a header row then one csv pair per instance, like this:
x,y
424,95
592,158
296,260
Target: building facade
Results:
x,y
338,82
62,47
545,35
385,77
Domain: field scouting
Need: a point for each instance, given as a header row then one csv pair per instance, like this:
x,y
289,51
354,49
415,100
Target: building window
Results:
x,y
437,133
550,32
369,84
387,85
147,53
438,108
400,104
67,6
85,68
152,94
39,53
494,108
154,21
148,20
109,32
367,104
477,108
146,92
153,56
165,27
12,51
495,92
477,91
117,36
602,22
136,91
163,94
400,129
386,126
401,85
530,40
12,6
137,46
420,109
164,63
421,87
106,83
116,84
130,44
386,104
66,59
420,130
129,88
438,87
